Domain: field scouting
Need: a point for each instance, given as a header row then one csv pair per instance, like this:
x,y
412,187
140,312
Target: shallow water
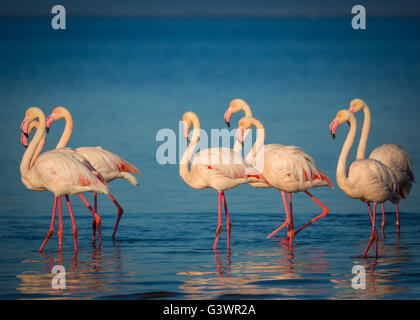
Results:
x,y
123,80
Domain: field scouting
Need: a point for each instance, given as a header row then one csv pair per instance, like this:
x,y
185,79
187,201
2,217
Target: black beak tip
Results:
x,y
188,139
333,135
25,134
228,124
47,129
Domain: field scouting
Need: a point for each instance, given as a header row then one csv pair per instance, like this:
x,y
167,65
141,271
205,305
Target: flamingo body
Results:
x,y
369,180
399,161
290,169
110,165
211,170
62,174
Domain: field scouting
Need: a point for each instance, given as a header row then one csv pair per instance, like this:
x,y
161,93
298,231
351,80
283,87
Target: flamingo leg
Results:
x,y
60,226
383,216
95,216
120,212
287,221
383,221
398,218
228,223
323,214
374,235
51,231
73,221
219,225
95,201
291,230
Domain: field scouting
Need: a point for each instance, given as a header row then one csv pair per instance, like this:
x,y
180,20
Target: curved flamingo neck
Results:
x,y
38,149
361,149
35,146
237,147
342,160
184,171
68,129
259,142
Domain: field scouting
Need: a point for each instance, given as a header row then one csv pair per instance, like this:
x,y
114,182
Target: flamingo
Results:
x,y
108,164
391,155
290,170
61,173
217,168
368,180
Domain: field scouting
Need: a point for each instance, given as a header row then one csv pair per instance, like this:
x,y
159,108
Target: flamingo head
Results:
x,y
57,114
356,105
30,115
243,124
187,120
25,136
235,106
341,117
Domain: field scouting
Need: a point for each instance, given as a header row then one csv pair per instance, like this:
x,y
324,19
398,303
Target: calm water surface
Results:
x,y
123,80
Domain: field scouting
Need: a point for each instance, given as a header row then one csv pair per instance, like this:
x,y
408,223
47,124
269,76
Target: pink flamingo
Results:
x,y
60,173
108,164
286,168
368,180
391,155
217,168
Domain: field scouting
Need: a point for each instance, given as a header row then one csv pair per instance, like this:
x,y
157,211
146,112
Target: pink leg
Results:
x,y
383,216
374,235
95,202
120,212
51,231
73,221
291,229
383,221
60,226
228,223
323,214
398,218
287,221
219,226
95,216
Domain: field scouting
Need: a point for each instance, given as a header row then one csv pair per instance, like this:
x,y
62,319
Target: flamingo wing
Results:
x,y
291,165
110,165
62,173
225,162
399,161
372,180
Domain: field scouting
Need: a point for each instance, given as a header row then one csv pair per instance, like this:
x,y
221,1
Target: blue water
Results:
x,y
125,79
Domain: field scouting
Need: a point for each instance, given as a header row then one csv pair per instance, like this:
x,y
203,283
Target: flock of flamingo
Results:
x,y
385,176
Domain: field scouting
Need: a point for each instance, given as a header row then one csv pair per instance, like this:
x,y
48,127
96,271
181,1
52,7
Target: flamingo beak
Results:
x,y
25,126
186,131
240,135
333,126
48,122
228,115
351,109
24,140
